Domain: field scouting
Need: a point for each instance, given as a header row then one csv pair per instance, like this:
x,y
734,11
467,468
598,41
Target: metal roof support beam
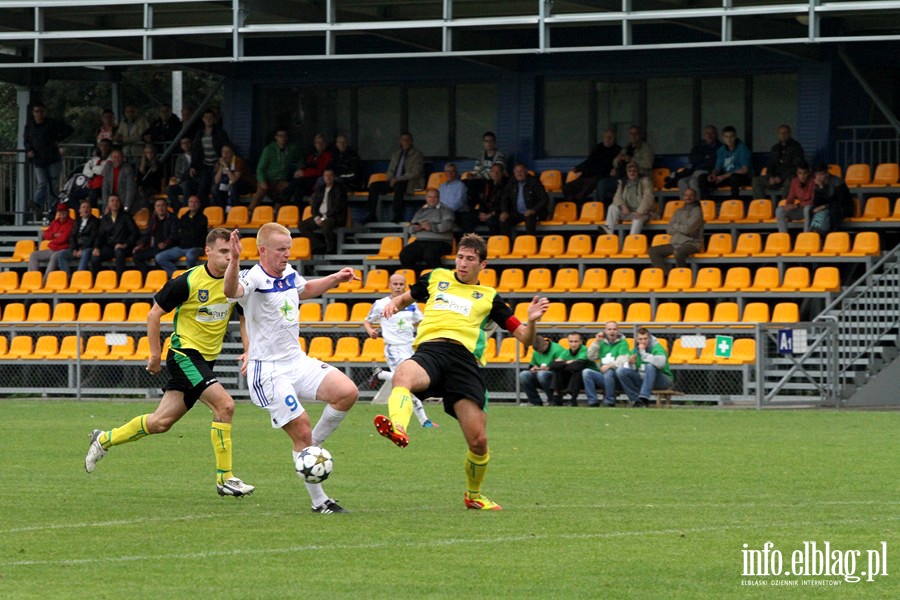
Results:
x,y
627,39
330,35
148,26
447,32
726,21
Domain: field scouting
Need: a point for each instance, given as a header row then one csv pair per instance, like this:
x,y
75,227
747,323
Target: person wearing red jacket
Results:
x,y
307,177
58,234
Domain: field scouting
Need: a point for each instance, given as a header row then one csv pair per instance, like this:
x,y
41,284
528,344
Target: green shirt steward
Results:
x,y
582,354
655,355
543,359
603,352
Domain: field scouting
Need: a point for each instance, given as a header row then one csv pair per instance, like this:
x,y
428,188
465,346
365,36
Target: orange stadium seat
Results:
x,y
895,216
756,312
21,251
96,348
605,246
579,245
651,280
837,243
121,351
497,246
142,218
70,347
886,175
289,216
372,350
743,352
748,244
639,312
38,312
525,246
633,246
551,180
347,348
668,210
726,312
376,282
63,312
556,312
9,281
719,244
866,243
89,312
681,355
46,347
506,353
300,249
696,313
215,216
137,312
731,211
876,208
31,282
81,282
708,279
488,277
826,279
321,347
335,312
678,280
796,279
709,210
358,313
583,312
539,279
131,281
261,215
511,280
237,217
154,282
592,213
858,175
661,239
551,247
659,176
566,280
310,313
563,214
20,347
765,279
776,245
594,280
622,280
737,279
114,311
105,282
249,249
806,244
786,312
56,281
759,211
610,311
667,312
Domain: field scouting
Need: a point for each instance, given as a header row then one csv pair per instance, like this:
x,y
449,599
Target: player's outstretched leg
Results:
x,y
95,452
396,433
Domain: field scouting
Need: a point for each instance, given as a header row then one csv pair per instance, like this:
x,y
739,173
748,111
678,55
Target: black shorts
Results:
x,y
454,372
189,374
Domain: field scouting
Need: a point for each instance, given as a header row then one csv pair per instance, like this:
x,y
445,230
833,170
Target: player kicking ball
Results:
x,y
203,314
449,354
280,375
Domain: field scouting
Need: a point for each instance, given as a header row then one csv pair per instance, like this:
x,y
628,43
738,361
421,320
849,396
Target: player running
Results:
x,y
450,352
201,320
279,373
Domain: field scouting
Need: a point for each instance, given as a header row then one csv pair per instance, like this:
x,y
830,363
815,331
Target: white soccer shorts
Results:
x,y
279,386
395,354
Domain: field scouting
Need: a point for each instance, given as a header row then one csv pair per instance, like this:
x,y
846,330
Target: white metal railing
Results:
x,y
868,144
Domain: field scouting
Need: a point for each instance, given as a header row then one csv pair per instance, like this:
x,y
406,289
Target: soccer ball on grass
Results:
x,y
314,464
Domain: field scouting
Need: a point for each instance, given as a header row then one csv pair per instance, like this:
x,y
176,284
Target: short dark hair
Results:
x,y
489,134
820,168
643,331
219,233
802,164
729,129
475,242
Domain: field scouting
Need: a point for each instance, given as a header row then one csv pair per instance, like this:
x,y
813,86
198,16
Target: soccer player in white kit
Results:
x,y
279,373
398,331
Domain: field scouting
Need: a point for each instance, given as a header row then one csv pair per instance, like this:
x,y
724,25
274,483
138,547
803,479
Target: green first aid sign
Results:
x,y
724,343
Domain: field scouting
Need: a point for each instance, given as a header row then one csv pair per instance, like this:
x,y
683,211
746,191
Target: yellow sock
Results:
x,y
476,467
131,431
220,434
400,406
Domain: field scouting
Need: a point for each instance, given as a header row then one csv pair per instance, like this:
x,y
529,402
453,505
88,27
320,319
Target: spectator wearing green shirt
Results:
x,y
609,350
273,170
567,370
647,369
538,373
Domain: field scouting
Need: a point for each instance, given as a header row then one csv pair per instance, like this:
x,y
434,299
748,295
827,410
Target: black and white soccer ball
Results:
x,y
314,464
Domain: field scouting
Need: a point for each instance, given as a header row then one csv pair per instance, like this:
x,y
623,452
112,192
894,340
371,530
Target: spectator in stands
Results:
x,y
347,164
205,152
58,234
404,175
116,236
190,238
130,132
686,229
480,175
567,368
433,227
524,200
93,170
647,369
782,165
831,201
273,171
164,128
161,234
609,351
304,181
637,151
454,196
107,129
538,372
149,177
703,161
41,140
633,200
229,181
733,166
181,184
81,240
798,203
118,180
329,211
595,172
192,128
488,205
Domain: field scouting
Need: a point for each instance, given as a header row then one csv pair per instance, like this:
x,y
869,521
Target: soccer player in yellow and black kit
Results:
x,y
201,320
450,353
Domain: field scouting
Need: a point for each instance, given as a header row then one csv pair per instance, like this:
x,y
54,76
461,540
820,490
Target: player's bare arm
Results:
x,y
526,331
245,342
396,304
232,287
316,287
153,320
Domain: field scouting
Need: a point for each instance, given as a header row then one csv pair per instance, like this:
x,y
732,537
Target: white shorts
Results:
x,y
395,354
279,386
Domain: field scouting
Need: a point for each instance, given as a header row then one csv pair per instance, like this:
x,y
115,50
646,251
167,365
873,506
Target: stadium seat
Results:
x,y
358,313
731,211
579,245
583,312
566,280
9,280
592,213
436,179
667,312
759,211
507,352
215,216
154,282
288,215
131,281
142,218
659,176
539,279
55,281
737,279
249,249
571,176
349,286
63,312
719,244
347,348
105,282
806,244
123,351
30,283
497,246
21,251
895,216
262,214
114,312
321,347
764,280
633,246
556,313
639,312
335,312
605,246
376,282
866,243
668,210
511,280
70,347
525,246
488,277
708,207
551,180
858,175
236,218
490,349
837,243
786,312
678,280
89,312
726,312
563,214
82,282
409,274
46,347
307,213
38,312
610,311
708,279
137,312
551,247
755,312
748,244
310,313
372,351
20,347
681,355
142,349
876,208
826,279
96,348
300,249
743,352
651,280
796,279
622,280
886,175
661,239
776,245
594,280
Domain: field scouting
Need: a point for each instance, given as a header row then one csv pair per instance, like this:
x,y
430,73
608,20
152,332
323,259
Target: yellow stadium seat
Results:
x,y
759,211
114,312
9,281
261,215
806,244
80,283
796,279
651,280
837,243
321,347
497,246
726,312
639,312
566,280
765,280
142,350
678,280
56,281
488,277
696,313
826,279
756,312
592,213
731,211
21,252
409,274
708,280
866,243
525,246
708,207
70,347
895,216
63,312
743,352
556,313
858,175
506,353
121,351
307,213
20,347
786,312
288,215
605,246
633,246
579,245
659,176
4,346
31,282
154,282
142,218
137,312
96,348
571,176
737,279
667,312
511,280
876,208
215,216
748,244
886,175
622,280
610,311
707,354
358,313
300,249
436,179
347,348
594,280
668,210
236,218
719,244
563,214
372,351
681,355
551,247
181,212
490,349
89,312
335,312
310,313
539,279
552,180
376,282
131,281
249,249
105,282
46,347
777,244
38,312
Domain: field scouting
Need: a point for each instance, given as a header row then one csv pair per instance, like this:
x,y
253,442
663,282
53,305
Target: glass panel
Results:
x,y
566,106
618,107
429,119
379,122
774,104
721,104
670,115
476,113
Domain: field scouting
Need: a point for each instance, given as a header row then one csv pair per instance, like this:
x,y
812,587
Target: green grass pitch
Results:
x,y
599,503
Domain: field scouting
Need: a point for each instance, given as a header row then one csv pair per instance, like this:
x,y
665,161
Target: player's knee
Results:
x,y
159,424
479,445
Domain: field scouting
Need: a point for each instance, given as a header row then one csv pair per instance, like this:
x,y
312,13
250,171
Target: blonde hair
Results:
x,y
266,232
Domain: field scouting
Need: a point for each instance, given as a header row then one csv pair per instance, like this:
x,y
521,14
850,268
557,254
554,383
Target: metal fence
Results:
x,y
867,144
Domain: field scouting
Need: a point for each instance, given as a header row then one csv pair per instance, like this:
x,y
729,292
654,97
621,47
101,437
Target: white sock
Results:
x,y
419,411
328,422
386,375
316,493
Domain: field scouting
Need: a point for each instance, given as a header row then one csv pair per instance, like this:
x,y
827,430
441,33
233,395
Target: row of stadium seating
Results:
x,y
88,312
49,347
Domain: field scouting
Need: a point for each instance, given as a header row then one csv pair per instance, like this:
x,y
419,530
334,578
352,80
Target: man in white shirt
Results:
x,y
279,373
398,331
